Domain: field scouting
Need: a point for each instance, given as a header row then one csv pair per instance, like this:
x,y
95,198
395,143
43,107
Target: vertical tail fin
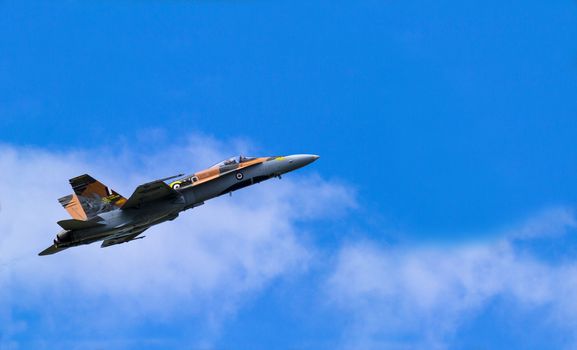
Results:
x,y
90,198
72,205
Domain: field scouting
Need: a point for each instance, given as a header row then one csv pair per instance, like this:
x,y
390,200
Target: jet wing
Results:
x,y
150,192
117,239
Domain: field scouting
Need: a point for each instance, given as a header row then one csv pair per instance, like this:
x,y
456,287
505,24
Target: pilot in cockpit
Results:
x,y
229,161
233,160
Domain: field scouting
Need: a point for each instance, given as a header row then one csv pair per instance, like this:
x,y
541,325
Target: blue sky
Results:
x,y
443,124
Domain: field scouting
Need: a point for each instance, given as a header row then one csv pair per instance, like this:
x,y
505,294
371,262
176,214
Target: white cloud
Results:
x,y
417,297
212,260
203,265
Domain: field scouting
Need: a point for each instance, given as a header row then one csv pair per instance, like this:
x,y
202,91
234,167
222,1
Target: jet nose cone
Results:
x,y
311,158
300,160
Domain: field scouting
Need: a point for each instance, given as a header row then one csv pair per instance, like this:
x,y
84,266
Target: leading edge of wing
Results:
x,y
149,192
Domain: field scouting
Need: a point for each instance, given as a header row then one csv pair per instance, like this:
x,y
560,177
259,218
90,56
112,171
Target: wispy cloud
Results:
x,y
418,297
203,266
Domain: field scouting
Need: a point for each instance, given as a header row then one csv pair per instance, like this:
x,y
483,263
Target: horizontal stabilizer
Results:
x,y
73,224
73,206
52,250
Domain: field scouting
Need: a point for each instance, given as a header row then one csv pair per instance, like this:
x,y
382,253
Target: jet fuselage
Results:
x,y
124,224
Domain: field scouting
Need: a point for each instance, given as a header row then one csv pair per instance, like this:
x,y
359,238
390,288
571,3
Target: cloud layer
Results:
x,y
201,269
418,297
203,266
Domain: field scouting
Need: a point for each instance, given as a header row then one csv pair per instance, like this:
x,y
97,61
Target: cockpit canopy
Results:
x,y
232,161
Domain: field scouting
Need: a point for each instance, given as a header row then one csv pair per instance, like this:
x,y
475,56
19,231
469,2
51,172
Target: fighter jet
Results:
x,y
101,214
